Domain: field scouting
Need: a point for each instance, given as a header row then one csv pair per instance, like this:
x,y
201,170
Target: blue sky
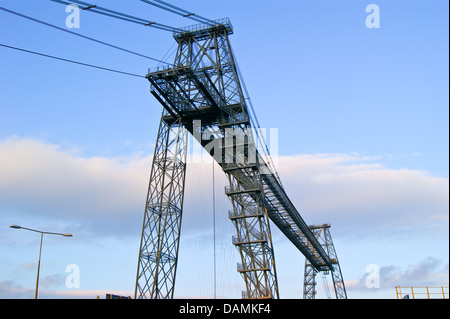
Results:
x,y
362,119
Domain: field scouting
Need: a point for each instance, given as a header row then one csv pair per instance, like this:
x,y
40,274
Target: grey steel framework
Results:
x,y
323,234
201,93
162,218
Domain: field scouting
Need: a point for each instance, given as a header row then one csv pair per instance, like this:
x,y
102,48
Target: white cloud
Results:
x,y
37,178
430,272
100,196
363,197
357,195
9,289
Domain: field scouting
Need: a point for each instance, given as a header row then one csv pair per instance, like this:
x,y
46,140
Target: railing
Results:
x,y
250,211
244,188
165,208
422,292
204,26
249,267
249,238
253,294
235,118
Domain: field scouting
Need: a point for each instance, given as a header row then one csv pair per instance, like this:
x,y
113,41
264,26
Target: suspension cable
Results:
x,y
79,35
257,127
181,12
118,15
70,61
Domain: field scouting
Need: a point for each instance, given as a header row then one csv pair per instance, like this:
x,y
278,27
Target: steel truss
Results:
x,y
323,234
201,94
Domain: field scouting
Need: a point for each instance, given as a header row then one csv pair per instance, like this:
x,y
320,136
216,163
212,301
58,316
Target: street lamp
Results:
x,y
40,249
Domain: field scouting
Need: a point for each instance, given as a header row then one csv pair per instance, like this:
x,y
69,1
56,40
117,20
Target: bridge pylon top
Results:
x,y
202,30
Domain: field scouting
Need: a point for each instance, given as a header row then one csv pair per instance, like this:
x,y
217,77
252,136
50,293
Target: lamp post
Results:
x,y
40,249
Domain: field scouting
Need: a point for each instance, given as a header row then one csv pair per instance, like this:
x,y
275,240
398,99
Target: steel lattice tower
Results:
x,y
323,234
201,93
162,219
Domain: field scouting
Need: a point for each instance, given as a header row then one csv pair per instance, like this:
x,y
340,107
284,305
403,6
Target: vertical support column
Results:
x,y
250,217
397,291
253,240
309,283
323,235
158,254
309,280
336,273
